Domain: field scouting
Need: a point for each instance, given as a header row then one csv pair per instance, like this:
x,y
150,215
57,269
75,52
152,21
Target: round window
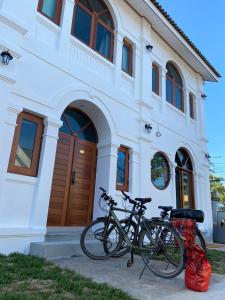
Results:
x,y
160,173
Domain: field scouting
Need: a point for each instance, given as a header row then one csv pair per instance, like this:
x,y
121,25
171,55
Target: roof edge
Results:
x,y
185,37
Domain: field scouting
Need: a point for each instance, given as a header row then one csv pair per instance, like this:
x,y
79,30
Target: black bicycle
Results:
x,y
158,242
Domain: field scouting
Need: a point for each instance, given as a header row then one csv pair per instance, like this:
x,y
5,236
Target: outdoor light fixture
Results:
x,y
148,127
207,156
6,57
203,96
149,47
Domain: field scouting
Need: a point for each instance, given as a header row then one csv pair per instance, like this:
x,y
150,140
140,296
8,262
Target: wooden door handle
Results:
x,y
73,175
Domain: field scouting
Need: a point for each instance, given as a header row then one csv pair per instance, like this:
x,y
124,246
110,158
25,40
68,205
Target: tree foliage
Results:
x,y
217,189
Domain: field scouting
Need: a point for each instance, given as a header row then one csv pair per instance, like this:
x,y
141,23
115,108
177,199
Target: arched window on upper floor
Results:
x,y
174,87
93,25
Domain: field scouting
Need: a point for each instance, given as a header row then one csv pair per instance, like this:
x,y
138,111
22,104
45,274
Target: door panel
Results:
x,y
80,204
61,180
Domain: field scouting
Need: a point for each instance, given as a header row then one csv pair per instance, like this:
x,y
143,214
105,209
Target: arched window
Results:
x,y
93,25
184,180
78,124
174,87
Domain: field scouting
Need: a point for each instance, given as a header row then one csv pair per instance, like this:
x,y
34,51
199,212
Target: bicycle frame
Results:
x,y
139,218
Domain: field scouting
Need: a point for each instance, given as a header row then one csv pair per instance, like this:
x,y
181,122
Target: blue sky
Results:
x,y
204,23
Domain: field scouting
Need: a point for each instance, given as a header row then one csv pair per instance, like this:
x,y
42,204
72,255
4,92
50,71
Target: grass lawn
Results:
x,y
26,277
217,259
31,278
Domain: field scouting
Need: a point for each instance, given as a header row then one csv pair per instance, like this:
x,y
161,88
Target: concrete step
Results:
x,y
56,249
63,233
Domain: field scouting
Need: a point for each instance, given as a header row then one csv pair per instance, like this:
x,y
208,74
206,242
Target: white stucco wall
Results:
x,y
50,70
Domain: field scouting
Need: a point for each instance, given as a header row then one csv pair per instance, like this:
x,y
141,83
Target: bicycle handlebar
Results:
x,y
107,198
127,197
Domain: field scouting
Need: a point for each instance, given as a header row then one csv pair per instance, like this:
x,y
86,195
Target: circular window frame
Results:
x,y
162,154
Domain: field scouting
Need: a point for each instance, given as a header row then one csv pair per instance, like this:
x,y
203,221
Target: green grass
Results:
x,y
25,277
217,259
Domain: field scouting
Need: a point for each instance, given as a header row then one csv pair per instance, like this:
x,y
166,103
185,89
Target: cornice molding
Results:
x,y
13,23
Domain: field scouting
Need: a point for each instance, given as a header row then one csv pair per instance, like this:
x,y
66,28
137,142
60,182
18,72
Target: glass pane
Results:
x,y
89,134
154,80
24,153
174,74
82,25
103,41
160,172
178,94
49,8
106,18
169,91
178,189
65,128
86,3
98,6
121,164
126,58
186,191
75,119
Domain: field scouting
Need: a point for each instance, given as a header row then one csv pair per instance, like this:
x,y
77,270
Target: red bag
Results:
x,y
187,229
198,270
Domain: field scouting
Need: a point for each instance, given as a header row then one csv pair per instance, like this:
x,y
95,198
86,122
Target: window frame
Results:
x,y
156,67
95,20
33,170
192,106
58,11
168,167
174,85
180,170
130,67
124,187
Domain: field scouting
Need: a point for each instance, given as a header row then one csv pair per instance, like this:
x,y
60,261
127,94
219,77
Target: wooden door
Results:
x,y
61,180
71,200
80,203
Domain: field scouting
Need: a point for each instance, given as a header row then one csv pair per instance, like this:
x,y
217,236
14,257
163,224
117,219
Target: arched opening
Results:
x,y
184,180
94,26
174,87
72,193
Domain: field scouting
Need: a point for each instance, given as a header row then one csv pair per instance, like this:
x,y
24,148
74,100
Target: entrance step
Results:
x,y
56,249
63,234
59,242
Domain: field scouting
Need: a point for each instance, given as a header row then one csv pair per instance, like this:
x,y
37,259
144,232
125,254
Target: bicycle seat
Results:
x,y
144,200
166,208
187,213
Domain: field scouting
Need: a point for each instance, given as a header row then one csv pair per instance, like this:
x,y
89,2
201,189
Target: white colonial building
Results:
x,y
98,93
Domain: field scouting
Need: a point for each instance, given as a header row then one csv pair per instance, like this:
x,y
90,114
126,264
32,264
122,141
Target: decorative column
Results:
x,y
134,173
65,33
163,90
105,173
6,139
118,57
39,211
173,166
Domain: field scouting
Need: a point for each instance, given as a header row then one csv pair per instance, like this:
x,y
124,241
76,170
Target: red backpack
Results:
x,y
198,269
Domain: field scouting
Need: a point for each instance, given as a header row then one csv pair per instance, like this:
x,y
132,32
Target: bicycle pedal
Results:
x,y
129,264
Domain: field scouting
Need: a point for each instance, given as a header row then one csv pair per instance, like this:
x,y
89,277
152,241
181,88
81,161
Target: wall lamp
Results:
x,y
149,47
207,156
203,96
148,127
6,57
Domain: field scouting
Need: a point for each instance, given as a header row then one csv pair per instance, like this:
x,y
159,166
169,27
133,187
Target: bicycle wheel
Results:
x,y
163,249
200,240
100,235
131,231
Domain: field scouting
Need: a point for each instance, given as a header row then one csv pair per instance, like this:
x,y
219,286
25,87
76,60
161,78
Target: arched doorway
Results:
x,y
184,180
72,194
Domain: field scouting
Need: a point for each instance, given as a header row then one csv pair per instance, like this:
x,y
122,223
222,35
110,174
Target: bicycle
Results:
x,y
157,239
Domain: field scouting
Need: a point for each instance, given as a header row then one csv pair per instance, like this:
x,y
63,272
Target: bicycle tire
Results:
x,y
102,239
158,250
124,249
201,238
